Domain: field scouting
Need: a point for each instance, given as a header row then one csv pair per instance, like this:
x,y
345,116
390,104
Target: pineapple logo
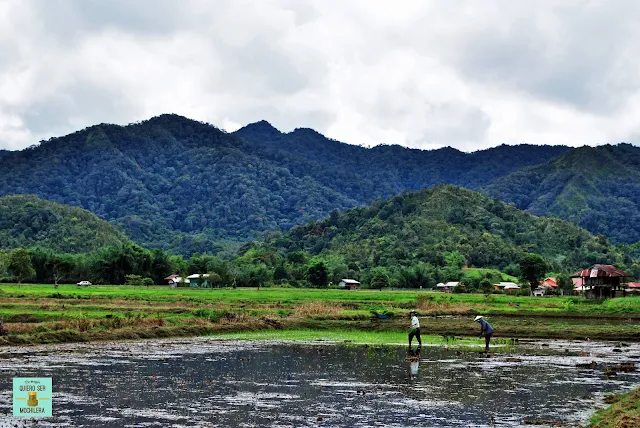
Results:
x,y
32,397
32,401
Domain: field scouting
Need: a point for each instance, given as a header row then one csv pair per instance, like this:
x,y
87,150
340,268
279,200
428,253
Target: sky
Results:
x,y
423,74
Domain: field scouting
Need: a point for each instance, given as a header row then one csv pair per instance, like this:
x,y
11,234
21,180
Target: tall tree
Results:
x,y
317,274
20,266
4,261
565,284
532,269
61,266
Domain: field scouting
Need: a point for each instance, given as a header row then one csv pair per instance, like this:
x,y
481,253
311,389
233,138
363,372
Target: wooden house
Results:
x,y
507,286
633,287
603,281
544,285
176,281
448,287
351,284
199,280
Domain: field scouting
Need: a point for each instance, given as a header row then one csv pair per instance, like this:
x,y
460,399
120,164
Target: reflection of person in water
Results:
x,y
414,362
414,330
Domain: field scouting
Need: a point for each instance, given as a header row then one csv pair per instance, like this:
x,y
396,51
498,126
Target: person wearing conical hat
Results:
x,y
414,330
485,330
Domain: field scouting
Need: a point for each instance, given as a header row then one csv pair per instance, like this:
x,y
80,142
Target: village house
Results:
x,y
199,280
602,281
351,284
176,280
547,283
447,287
507,286
633,287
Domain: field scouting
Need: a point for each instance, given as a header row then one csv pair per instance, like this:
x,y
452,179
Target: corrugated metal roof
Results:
x,y
602,271
507,284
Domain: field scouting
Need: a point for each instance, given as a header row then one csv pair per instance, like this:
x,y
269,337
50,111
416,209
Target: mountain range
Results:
x,y
597,188
188,187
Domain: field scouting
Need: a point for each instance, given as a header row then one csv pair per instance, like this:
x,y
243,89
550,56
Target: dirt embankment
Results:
x,y
115,329
623,412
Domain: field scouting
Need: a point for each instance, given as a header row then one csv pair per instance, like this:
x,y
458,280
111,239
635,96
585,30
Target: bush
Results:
x,y
486,286
134,280
460,289
148,281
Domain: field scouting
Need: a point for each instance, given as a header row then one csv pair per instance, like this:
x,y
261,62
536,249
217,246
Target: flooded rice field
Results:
x,y
208,382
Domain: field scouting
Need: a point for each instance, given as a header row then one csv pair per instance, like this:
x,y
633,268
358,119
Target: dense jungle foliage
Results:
x,y
185,186
428,236
597,188
27,221
413,240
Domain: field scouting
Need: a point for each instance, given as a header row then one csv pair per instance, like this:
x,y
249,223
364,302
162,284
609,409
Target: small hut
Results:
x,y
350,284
448,287
176,280
199,280
603,281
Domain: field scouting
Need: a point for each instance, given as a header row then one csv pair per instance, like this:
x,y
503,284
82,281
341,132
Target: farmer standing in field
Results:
x,y
414,330
485,330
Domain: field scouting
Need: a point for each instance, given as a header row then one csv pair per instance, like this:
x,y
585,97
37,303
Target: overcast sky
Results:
x,y
467,74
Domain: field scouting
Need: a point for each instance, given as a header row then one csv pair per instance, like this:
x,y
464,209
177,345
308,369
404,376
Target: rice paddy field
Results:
x,y
41,314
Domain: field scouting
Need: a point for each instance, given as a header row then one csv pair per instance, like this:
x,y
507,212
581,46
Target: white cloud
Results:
x,y
423,74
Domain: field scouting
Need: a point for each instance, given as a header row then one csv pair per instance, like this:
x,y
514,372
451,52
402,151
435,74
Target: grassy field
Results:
x,y
623,412
470,273
42,314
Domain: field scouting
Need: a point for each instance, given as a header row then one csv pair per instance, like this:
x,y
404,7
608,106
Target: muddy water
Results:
x,y
204,382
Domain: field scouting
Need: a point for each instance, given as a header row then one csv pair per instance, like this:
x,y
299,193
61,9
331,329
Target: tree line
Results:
x,y
260,266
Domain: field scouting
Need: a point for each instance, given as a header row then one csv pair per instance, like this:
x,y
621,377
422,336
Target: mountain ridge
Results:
x,y
187,186
422,226
595,187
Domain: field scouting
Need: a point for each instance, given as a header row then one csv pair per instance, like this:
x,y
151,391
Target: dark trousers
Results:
x,y
416,333
487,339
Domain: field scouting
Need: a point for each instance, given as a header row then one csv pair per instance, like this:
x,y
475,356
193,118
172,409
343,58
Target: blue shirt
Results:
x,y
485,327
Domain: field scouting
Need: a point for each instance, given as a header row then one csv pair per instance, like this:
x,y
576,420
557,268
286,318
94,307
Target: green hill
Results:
x,y
595,187
186,186
422,226
27,221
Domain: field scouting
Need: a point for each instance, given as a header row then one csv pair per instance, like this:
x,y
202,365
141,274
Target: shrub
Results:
x,y
460,289
134,280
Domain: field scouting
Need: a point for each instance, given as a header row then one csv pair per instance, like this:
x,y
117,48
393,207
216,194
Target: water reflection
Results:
x,y
414,361
208,383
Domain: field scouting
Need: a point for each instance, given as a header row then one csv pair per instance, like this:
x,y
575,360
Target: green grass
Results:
x,y
37,313
494,303
471,273
623,412
360,337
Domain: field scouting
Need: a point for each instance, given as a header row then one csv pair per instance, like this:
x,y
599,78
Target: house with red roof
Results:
x,y
602,281
633,287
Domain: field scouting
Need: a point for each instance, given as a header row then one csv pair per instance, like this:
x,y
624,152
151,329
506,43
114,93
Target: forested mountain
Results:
x,y
183,185
27,221
423,226
595,187
168,182
382,171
